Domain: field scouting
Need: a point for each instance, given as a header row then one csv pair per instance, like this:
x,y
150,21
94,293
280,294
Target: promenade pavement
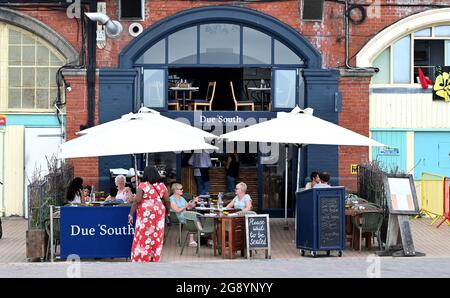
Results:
x,y
286,260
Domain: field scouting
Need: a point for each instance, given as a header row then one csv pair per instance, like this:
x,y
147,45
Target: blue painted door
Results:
x,y
444,155
393,156
431,153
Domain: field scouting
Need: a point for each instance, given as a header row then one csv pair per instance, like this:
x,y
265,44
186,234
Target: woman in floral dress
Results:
x,y
151,212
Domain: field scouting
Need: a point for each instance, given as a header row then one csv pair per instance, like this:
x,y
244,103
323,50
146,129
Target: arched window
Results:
x,y
28,67
219,44
399,56
428,48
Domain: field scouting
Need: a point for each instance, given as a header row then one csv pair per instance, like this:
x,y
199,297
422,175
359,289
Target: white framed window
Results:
x,y
423,48
28,67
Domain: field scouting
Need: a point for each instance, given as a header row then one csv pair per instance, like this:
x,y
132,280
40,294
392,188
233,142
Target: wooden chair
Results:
x,y
207,103
174,103
241,103
178,97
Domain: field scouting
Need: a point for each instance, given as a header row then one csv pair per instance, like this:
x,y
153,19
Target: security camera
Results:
x,y
68,88
113,28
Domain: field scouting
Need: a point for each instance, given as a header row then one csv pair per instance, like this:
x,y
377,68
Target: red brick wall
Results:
x,y
354,116
77,107
327,37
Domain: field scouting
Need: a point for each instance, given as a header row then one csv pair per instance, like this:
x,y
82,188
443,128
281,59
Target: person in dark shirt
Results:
x,y
232,171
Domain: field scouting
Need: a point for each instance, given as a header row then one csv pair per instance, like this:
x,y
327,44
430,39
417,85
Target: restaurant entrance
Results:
x,y
270,66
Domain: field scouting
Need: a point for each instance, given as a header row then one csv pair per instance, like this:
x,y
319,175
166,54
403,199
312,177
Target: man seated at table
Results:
x,y
178,204
324,180
242,200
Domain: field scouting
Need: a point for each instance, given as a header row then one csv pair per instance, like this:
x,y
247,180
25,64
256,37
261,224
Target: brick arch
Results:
x,y
210,14
42,30
399,29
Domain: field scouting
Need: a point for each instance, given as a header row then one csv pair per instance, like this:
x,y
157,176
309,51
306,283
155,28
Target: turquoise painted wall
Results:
x,y
394,139
431,153
33,120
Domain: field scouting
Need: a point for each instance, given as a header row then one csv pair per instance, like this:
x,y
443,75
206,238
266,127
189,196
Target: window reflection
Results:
x,y
284,55
285,86
155,55
183,46
256,47
154,88
219,44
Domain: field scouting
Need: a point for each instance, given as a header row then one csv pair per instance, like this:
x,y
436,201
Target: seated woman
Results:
x,y
74,191
315,179
241,200
123,193
178,204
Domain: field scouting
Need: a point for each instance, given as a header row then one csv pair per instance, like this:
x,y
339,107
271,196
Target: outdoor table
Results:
x,y
236,233
213,209
184,90
264,91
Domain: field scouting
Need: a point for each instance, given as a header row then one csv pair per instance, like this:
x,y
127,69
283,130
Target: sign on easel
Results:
x,y
257,231
402,202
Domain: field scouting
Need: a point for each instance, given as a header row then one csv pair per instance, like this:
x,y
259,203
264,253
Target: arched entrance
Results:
x,y
226,44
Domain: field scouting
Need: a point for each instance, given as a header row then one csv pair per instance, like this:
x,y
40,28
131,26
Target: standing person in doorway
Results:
x,y
150,217
232,171
194,161
202,162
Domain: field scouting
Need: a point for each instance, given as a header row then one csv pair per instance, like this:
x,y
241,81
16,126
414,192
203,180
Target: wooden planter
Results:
x,y
35,244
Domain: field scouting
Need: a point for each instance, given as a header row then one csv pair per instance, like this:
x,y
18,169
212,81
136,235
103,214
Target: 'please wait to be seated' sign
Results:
x,y
257,229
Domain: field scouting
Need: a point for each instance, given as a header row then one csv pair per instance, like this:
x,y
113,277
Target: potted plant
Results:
x,y
43,192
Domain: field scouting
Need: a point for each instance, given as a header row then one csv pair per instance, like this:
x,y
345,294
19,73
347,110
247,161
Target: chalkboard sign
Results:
x,y
329,221
257,229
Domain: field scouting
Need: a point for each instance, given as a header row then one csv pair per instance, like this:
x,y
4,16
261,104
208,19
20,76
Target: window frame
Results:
x,y
5,67
412,40
166,65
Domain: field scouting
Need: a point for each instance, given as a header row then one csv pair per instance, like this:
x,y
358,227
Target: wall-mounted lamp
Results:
x,y
113,28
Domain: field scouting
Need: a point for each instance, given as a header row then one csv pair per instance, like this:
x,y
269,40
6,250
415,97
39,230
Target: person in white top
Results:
x,y
315,179
242,200
123,193
324,180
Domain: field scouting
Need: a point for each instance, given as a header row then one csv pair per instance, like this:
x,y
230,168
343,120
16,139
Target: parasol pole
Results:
x,y
286,227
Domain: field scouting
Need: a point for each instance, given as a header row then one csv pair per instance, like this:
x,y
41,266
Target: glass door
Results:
x,y
285,86
272,180
155,88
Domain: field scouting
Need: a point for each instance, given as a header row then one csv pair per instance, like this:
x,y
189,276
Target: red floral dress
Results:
x,y
149,229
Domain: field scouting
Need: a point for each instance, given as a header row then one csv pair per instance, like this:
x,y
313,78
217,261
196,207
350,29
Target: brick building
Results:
x,y
297,47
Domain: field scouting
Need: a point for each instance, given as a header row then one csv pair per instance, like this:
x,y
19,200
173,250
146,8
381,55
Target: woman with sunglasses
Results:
x,y
178,204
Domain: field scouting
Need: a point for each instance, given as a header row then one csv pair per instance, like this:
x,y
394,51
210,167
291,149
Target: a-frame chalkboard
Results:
x,y
257,231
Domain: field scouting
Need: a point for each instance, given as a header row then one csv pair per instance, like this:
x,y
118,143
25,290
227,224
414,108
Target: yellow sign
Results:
x,y
354,169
